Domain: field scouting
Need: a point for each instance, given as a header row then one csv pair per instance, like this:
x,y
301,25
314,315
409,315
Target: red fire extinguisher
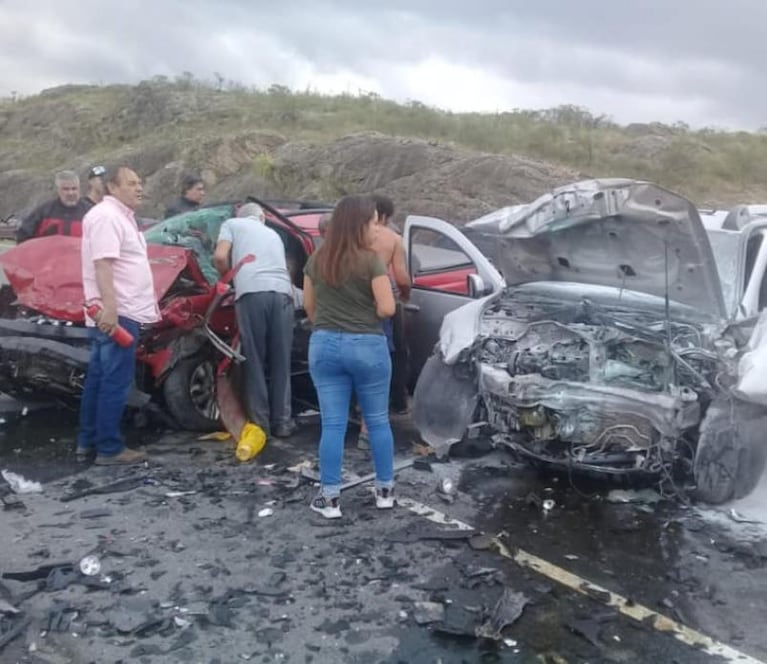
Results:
x,y
119,335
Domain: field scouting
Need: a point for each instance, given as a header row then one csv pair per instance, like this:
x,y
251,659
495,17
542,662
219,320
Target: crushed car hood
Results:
x,y
46,274
626,234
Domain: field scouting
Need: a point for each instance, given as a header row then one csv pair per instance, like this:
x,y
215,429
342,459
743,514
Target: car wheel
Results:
x,y
730,456
190,394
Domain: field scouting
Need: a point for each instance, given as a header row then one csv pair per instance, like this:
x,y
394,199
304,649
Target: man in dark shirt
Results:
x,y
192,193
96,186
61,216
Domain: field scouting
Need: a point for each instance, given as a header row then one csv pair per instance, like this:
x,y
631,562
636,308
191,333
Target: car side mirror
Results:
x,y
476,286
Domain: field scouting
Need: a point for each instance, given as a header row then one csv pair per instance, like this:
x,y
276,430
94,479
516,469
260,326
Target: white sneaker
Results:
x,y
330,508
384,499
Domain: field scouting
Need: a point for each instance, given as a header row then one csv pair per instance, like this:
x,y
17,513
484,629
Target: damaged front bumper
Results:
x,y
570,423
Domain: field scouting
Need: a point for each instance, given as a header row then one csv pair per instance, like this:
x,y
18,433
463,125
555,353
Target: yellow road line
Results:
x,y
638,612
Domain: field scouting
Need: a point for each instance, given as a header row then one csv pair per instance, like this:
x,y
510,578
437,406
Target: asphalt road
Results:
x,y
193,569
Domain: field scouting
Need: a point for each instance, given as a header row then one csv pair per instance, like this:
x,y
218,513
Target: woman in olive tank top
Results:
x,y
347,294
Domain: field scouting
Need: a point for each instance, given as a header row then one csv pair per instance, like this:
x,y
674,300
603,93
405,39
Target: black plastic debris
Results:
x,y
38,574
587,629
423,464
419,532
120,486
95,513
507,610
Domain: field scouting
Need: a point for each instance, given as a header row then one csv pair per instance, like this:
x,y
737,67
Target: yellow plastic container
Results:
x,y
252,441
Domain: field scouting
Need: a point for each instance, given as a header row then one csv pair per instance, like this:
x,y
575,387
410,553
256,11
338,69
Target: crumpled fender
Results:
x,y
460,327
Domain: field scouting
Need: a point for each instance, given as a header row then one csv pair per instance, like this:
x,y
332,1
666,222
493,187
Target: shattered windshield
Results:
x,y
197,231
724,245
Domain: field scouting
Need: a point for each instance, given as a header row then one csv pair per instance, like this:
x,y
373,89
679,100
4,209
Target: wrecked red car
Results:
x,y
44,346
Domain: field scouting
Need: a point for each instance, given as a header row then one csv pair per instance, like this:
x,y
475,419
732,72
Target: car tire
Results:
x,y
730,456
190,394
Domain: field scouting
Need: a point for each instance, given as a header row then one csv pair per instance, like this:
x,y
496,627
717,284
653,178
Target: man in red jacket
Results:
x,y
61,216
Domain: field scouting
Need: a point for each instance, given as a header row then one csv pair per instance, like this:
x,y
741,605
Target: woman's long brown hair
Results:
x,y
346,241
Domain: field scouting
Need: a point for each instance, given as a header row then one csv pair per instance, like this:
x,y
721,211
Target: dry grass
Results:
x,y
41,132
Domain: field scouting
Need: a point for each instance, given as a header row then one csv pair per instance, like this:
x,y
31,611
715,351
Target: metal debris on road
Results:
x,y
507,610
634,496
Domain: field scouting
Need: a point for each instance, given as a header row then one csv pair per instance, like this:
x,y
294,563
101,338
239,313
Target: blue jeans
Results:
x,y
107,384
338,363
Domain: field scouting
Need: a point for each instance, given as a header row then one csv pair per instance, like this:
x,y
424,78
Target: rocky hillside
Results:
x,y
278,144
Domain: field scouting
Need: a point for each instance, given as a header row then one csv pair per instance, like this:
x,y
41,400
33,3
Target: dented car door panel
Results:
x,y
440,258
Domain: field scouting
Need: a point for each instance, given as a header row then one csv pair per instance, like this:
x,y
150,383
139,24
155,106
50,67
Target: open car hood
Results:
x,y
46,274
622,233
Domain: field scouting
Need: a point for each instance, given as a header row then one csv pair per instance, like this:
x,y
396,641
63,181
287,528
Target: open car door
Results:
x,y
447,271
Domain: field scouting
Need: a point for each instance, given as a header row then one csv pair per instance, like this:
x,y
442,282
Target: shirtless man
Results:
x,y
388,245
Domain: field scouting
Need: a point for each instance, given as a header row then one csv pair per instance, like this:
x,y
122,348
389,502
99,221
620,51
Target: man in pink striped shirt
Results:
x,y
117,277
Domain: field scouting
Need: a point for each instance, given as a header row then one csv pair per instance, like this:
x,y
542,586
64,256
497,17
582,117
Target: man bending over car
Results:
x,y
265,314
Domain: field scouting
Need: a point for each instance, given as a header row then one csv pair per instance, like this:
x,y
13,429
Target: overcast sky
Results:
x,y
697,61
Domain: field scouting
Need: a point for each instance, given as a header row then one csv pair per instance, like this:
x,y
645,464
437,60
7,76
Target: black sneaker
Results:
x,y
330,508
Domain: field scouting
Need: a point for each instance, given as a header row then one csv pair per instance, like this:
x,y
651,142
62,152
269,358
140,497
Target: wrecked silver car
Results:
x,y
611,343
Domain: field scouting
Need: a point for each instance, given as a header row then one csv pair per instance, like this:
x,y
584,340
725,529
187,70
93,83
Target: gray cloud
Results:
x,y
695,61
